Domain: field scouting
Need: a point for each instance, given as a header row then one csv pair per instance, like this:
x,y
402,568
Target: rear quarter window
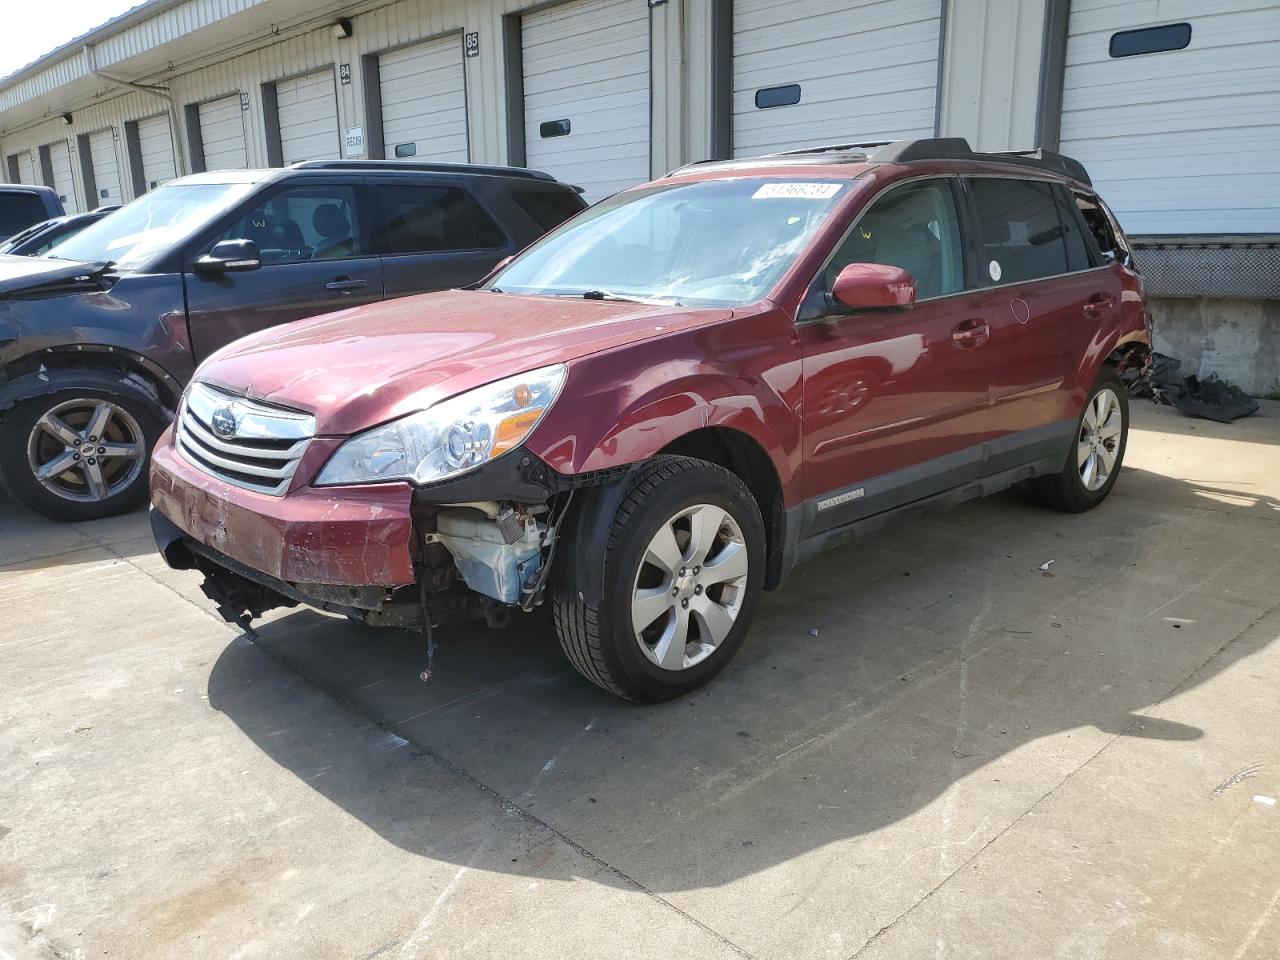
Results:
x,y
429,219
19,210
548,208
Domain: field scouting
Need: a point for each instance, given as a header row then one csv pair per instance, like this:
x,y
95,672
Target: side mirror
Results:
x,y
229,256
874,286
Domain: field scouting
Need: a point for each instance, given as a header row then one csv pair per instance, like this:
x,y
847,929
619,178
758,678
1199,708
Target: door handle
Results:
x,y
346,284
1098,306
970,333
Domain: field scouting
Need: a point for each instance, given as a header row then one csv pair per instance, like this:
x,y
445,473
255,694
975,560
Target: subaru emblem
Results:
x,y
223,422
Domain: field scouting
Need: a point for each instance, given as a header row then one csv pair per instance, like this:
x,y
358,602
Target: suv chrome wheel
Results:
x,y
1098,444
690,587
86,450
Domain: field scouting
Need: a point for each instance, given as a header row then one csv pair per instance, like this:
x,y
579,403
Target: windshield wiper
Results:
x,y
619,298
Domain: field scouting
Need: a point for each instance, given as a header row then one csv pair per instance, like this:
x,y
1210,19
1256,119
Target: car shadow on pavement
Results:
x,y
940,657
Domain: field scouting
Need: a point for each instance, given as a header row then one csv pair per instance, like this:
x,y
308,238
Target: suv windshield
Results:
x,y
706,243
137,232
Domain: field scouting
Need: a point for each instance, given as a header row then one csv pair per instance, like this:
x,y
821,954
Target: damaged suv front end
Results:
x,y
383,526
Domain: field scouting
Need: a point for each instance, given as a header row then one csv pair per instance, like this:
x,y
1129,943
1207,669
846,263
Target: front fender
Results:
x,y
625,406
47,381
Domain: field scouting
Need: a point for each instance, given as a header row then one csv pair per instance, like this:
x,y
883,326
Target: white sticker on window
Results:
x,y
797,191
994,269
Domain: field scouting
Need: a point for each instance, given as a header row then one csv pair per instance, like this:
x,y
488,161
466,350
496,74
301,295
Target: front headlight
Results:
x,y
452,437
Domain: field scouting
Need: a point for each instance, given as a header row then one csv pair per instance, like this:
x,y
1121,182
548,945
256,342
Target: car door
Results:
x,y
432,235
1043,298
315,259
894,402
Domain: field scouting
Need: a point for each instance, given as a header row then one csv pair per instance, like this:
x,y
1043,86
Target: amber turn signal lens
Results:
x,y
512,430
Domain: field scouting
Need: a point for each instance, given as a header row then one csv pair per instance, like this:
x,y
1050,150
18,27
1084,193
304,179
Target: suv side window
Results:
x,y
1024,230
548,208
428,219
314,222
1106,238
914,226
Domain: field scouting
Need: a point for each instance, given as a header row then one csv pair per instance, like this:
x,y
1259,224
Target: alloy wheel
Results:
x,y
86,450
690,587
1098,444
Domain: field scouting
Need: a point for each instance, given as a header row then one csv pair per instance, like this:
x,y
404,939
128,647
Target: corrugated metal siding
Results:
x,y
867,70
991,72
308,113
1184,141
587,63
424,100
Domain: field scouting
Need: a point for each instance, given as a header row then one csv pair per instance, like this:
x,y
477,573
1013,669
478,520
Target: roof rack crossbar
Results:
x,y
422,165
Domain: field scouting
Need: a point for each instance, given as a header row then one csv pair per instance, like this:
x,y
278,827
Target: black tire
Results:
x,y
1066,491
598,638
127,483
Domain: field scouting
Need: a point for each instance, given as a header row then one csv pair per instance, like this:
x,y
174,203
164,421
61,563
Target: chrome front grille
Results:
x,y
241,441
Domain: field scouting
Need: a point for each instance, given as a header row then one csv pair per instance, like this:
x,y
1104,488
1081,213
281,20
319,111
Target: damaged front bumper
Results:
x,y
389,554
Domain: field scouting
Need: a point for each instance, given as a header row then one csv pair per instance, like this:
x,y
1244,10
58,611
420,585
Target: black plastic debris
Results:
x,y
1209,399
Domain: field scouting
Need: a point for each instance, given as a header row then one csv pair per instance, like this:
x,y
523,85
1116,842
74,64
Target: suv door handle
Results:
x,y
970,333
346,284
1099,305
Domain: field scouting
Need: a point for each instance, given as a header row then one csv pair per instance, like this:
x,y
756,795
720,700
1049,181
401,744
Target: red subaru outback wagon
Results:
x,y
658,409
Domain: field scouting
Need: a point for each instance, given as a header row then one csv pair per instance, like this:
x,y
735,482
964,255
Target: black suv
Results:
x,y
98,337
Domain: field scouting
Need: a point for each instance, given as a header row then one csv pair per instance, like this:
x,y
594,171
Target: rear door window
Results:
x,y
1024,231
428,219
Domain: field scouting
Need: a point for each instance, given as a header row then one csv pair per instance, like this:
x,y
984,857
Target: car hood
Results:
x,y
25,274
362,367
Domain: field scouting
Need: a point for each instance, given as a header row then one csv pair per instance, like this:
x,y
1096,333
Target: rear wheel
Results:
x,y
1096,453
683,570
78,454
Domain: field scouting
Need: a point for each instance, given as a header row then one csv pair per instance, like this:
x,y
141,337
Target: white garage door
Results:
x,y
1183,141
586,93
833,71
308,109
63,181
106,169
27,168
424,101
155,145
222,133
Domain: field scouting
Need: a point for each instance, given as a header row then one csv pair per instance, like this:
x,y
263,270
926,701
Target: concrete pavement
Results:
x,y
970,758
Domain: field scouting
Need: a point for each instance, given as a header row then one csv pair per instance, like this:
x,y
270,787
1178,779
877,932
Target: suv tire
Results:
x,y
686,553
1093,463
102,477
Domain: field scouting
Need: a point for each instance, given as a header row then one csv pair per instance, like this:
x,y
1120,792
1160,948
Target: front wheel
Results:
x,y
78,454
683,568
1097,451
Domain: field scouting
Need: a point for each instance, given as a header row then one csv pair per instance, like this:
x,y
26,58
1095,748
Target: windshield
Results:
x,y
706,243
138,231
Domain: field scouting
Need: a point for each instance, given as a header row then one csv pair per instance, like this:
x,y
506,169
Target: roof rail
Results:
x,y
423,166
957,148
832,148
